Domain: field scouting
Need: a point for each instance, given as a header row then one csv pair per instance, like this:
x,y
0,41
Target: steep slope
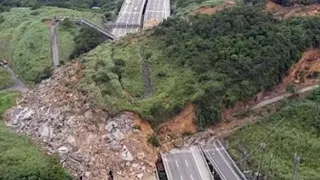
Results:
x,y
210,61
25,39
5,79
294,129
91,143
19,156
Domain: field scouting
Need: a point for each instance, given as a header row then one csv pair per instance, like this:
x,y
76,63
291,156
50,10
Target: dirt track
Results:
x,y
18,86
54,45
281,97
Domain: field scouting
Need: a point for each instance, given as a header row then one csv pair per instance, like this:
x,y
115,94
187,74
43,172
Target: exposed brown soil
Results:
x,y
144,125
181,123
212,10
301,75
58,115
295,10
47,22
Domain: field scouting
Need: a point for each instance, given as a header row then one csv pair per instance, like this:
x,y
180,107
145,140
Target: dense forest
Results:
x,y
236,53
105,5
86,40
285,2
210,61
291,2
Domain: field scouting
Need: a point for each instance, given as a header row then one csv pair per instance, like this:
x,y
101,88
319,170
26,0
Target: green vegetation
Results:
x,y
5,79
291,2
154,140
291,88
296,128
85,43
210,61
19,157
184,7
25,39
66,32
105,5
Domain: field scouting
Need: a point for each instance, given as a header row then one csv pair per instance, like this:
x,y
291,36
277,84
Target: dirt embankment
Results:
x,y
212,10
302,74
295,10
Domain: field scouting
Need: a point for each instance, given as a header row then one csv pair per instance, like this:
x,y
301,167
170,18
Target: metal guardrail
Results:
x,y
233,163
215,166
101,30
121,25
205,160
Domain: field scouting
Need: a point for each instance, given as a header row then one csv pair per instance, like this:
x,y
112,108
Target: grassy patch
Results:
x,y
19,157
65,37
5,79
184,9
125,93
298,132
25,39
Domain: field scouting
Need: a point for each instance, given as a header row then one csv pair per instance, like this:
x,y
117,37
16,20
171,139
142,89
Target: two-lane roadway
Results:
x,y
156,12
186,164
222,162
129,17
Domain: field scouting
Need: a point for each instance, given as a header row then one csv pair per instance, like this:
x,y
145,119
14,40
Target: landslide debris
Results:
x,y
89,141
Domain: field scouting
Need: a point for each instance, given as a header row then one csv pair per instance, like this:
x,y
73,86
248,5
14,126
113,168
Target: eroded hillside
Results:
x,y
90,142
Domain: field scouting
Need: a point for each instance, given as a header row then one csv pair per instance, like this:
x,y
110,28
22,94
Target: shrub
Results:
x,y
291,88
154,140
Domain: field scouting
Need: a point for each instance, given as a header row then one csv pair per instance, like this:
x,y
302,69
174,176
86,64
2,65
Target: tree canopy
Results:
x,y
235,53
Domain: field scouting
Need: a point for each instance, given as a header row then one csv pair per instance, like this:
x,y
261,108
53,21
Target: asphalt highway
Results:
x,y
187,164
156,11
222,162
130,14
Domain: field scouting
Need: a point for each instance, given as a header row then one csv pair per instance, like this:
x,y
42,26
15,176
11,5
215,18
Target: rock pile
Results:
x,y
90,143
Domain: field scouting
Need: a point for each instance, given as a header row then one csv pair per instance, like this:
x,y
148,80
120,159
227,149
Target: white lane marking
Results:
x,y
227,162
197,165
131,12
181,177
186,163
191,177
177,163
154,11
214,164
167,168
230,158
218,149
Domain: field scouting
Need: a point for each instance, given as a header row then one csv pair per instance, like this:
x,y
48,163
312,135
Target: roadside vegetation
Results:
x,y
285,2
210,61
294,129
19,157
104,5
5,79
86,40
25,39
184,7
66,32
